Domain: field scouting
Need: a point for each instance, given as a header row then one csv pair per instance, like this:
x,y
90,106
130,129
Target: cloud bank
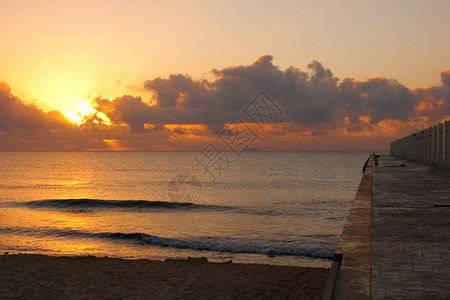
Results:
x,y
187,111
16,115
312,97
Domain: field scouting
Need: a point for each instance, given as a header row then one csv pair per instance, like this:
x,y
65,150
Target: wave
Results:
x,y
217,244
86,205
121,204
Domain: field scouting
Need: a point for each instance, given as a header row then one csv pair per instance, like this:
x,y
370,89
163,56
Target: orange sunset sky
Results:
x,y
173,75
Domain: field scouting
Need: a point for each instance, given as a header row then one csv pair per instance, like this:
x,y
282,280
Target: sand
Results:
x,y
28,276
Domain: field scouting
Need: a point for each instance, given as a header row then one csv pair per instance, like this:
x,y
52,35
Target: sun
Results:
x,y
80,111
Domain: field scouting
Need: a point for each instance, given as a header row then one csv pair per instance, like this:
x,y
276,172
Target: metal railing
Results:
x,y
429,146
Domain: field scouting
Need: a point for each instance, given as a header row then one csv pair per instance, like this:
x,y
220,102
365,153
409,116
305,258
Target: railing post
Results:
x,y
410,146
434,145
418,144
447,143
422,146
407,146
430,145
415,147
425,145
441,144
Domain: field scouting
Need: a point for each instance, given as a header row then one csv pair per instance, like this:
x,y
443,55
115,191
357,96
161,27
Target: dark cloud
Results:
x,y
180,130
312,97
126,110
378,98
445,78
433,102
16,115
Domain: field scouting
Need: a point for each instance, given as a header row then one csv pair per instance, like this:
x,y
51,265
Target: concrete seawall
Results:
x,y
429,146
396,241
350,274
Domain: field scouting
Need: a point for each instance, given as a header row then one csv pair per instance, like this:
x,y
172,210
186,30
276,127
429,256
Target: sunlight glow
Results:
x,y
82,111
79,114
116,145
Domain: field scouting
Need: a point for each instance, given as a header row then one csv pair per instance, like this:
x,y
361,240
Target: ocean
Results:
x,y
283,208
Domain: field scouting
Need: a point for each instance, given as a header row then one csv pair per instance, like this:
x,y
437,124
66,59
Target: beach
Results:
x,y
28,276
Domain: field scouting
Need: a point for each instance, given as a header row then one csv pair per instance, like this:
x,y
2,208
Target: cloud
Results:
x,y
26,127
179,99
445,78
314,96
377,98
16,115
127,109
433,103
185,112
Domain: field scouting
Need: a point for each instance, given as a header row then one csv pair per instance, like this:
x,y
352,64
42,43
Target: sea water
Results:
x,y
285,208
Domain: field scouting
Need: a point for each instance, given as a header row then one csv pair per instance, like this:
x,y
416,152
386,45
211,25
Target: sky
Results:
x,y
174,75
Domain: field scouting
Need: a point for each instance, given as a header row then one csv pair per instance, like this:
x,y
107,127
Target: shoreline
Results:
x,y
41,276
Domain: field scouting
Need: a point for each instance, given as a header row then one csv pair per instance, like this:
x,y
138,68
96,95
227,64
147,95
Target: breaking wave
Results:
x,y
121,204
218,244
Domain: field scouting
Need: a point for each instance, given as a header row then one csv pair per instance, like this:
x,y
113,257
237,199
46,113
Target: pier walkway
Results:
x,y
396,242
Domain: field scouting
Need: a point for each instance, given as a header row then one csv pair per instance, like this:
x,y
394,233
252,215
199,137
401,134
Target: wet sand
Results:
x,y
27,276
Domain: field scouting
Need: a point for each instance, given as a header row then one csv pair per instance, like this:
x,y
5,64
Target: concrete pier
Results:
x,y
396,242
